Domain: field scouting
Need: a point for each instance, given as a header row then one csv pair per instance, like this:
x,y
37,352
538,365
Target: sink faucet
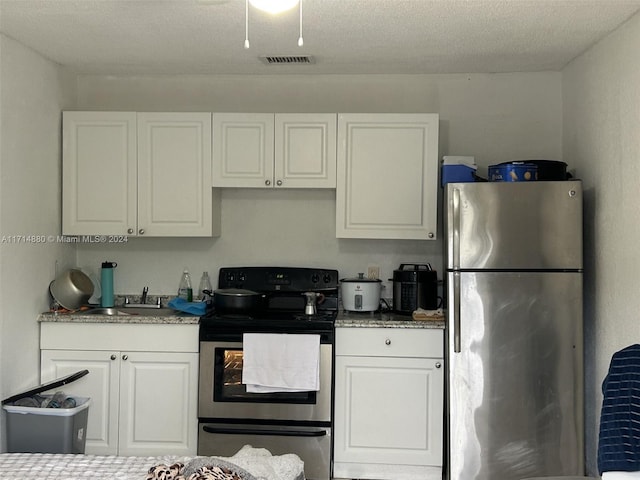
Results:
x,y
143,299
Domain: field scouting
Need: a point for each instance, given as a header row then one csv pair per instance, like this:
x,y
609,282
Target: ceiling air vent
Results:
x,y
287,59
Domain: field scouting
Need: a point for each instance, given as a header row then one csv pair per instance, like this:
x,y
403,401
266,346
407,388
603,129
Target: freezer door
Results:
x,y
514,225
515,377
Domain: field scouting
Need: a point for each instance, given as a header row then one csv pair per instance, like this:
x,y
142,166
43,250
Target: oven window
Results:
x,y
228,387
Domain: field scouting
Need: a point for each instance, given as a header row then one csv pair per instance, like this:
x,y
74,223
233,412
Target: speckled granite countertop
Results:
x,y
151,317
345,319
385,320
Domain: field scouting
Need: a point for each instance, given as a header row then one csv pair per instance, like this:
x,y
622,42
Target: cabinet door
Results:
x,y
242,149
98,173
387,176
158,403
388,411
101,385
305,150
174,174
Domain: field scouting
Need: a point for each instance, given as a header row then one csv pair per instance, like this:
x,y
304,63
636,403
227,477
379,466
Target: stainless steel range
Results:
x,y
282,422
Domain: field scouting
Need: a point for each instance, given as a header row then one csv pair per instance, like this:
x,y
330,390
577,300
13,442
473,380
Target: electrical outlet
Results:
x,y
373,272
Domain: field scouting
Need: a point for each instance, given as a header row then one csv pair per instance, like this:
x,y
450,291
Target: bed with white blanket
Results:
x,y
247,464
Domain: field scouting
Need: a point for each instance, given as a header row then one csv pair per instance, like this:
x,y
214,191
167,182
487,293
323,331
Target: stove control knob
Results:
x,y
242,277
315,278
327,278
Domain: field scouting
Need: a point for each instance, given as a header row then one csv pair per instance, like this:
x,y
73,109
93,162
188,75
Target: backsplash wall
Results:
x,y
259,227
494,117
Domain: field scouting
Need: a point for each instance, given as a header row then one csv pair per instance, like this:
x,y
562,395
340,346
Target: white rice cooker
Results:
x,y
360,294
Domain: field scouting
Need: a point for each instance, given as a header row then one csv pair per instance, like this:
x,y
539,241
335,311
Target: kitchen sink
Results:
x,y
149,312
105,311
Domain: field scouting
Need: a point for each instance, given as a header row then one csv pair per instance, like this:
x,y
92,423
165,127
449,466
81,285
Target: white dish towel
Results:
x,y
281,362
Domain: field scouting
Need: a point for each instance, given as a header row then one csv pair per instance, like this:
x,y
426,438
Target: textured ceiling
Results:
x,y
344,36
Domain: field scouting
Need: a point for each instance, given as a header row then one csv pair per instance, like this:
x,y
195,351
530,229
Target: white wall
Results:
x,y
601,125
494,117
33,92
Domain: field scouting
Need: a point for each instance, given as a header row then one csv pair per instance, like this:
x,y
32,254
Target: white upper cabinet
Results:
x,y
305,150
174,174
242,149
127,173
99,179
265,150
387,176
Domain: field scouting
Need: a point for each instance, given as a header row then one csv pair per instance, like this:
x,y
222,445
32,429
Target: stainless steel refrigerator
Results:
x,y
514,330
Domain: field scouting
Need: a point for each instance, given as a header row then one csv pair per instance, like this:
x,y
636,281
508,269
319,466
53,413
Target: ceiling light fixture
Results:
x,y
274,7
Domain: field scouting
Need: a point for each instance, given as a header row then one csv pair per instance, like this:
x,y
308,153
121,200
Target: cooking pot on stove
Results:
x,y
237,300
360,294
415,286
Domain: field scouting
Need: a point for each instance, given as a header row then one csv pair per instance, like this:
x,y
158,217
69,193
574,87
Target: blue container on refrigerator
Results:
x,y
513,172
456,169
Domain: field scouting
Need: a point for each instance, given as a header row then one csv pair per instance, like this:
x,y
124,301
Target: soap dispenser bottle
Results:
x,y
106,284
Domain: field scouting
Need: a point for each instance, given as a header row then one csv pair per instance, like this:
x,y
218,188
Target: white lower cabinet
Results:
x,y
142,383
389,400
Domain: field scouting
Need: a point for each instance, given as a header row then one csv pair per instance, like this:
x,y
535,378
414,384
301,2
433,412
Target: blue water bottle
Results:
x,y
106,283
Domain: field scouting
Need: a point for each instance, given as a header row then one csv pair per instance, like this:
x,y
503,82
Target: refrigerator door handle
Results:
x,y
456,312
455,228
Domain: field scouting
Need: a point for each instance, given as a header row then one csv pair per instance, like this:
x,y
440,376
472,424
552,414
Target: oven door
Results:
x,y
223,396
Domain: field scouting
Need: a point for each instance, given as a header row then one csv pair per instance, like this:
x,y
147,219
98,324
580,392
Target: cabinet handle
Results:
x,y
387,342
279,183
438,365
125,357
113,357
130,231
431,235
141,231
267,182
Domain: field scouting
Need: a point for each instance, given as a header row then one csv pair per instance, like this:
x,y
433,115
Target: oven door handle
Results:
x,y
259,431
